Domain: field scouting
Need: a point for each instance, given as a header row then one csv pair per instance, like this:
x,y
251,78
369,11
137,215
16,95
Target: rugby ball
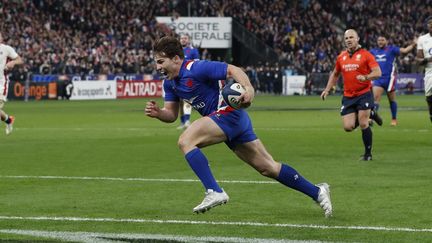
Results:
x,y
231,93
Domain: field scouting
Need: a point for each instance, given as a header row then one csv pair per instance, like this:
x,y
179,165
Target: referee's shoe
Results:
x,y
374,115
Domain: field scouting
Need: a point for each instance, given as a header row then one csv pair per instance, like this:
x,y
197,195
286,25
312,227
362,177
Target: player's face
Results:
x,y
381,41
184,40
168,67
351,40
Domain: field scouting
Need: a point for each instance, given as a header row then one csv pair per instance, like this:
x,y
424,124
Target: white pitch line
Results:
x,y
131,237
129,179
233,223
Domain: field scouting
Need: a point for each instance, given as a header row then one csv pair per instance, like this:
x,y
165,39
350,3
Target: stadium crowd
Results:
x,y
83,36
116,36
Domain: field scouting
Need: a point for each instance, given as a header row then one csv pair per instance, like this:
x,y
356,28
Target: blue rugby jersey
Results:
x,y
386,59
190,53
198,83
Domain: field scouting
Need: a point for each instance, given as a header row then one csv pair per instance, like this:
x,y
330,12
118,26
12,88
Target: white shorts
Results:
x,y
428,85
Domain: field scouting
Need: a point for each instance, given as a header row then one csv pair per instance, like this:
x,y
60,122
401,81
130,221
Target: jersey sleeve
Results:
x,y
420,43
170,95
11,53
338,66
395,50
210,70
370,59
195,54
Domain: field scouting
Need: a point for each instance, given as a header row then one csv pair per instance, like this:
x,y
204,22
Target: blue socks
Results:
x,y
184,118
287,176
393,108
199,164
290,178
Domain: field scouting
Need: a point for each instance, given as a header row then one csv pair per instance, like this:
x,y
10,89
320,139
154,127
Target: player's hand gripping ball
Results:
x,y
231,94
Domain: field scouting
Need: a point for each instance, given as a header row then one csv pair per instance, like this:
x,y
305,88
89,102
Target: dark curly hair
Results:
x,y
168,46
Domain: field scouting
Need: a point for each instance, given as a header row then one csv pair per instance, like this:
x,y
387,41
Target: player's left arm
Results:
x,y
375,69
11,64
16,59
409,48
374,74
241,77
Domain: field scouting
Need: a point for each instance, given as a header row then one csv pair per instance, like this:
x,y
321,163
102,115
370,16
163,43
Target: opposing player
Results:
x,y
190,53
424,57
200,83
358,68
386,55
8,59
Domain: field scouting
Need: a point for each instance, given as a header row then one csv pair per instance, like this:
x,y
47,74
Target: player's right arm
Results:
x,y
167,114
405,50
420,58
334,76
16,59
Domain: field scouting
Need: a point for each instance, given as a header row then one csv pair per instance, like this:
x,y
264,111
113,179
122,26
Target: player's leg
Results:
x,y
187,111
350,121
8,120
393,106
348,114
363,117
377,93
181,113
255,154
363,106
429,102
428,93
201,133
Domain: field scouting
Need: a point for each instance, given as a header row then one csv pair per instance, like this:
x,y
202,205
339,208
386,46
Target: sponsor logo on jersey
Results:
x,y
350,67
381,58
191,100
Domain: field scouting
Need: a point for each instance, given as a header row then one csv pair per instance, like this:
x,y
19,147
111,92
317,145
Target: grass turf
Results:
x,y
115,139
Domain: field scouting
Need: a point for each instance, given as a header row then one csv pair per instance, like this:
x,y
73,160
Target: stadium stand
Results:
x,y
101,37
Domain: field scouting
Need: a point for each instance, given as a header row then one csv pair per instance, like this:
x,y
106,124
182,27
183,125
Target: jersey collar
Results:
x,y
351,53
183,65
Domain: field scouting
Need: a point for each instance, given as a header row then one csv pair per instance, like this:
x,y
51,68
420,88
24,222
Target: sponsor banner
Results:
x,y
133,89
406,81
109,77
35,91
95,77
44,78
293,85
93,90
205,32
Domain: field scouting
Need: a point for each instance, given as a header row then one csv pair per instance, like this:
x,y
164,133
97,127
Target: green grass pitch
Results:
x,y
114,139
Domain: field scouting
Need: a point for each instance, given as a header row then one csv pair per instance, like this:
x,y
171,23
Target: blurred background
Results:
x,y
286,47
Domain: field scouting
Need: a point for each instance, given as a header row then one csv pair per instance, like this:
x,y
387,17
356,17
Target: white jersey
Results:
x,y
6,53
424,44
